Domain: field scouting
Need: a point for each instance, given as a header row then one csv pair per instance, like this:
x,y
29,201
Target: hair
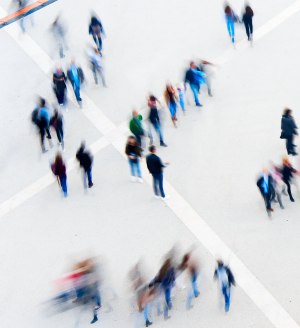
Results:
x,y
285,161
220,263
58,159
228,10
286,112
152,98
249,10
152,148
131,137
43,102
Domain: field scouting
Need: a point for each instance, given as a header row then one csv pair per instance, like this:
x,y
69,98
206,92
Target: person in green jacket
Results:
x,y
135,126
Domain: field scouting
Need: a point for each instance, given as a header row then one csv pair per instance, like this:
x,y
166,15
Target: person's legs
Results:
x,y
232,31
208,83
84,179
95,73
251,28
247,27
131,167
77,93
226,293
42,134
160,181
101,73
138,168
195,90
194,285
158,130
279,198
289,189
155,181
63,182
100,43
96,40
289,144
89,176
229,27
168,304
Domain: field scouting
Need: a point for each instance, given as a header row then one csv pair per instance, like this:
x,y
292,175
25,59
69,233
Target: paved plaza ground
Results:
x,y
216,153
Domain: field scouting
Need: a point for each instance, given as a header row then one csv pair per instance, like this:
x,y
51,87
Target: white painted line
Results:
x,y
210,240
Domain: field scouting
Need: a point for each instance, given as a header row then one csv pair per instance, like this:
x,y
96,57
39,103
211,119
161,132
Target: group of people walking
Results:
x,y
160,290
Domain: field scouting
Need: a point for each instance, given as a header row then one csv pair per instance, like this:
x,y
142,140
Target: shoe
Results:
x,y
140,180
163,144
91,185
226,307
94,320
210,94
294,154
48,137
164,198
198,105
148,323
133,179
271,210
282,207
156,197
292,199
189,308
45,150
197,294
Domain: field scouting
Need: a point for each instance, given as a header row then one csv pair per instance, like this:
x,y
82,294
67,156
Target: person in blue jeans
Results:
x,y
226,279
76,78
193,80
230,18
85,161
133,152
154,120
155,166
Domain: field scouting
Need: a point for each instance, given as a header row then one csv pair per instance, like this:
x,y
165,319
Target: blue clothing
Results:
x,y
226,293
195,89
63,183
172,108
181,98
194,291
75,75
158,130
45,113
199,76
87,174
135,166
265,184
158,179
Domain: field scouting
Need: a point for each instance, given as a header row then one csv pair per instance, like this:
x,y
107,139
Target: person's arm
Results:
x,y
163,164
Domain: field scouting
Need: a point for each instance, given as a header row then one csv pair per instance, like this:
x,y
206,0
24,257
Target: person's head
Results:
x,y
192,65
131,140
169,87
220,263
248,10
287,112
152,98
73,61
227,10
135,113
152,149
285,161
58,159
42,102
82,144
265,170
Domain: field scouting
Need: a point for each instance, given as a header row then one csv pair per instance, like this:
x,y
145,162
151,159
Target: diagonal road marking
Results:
x,y
277,315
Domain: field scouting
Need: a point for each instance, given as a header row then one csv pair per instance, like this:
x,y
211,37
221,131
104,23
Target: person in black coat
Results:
x,y
59,82
96,30
191,78
85,161
155,165
289,129
265,185
247,19
287,174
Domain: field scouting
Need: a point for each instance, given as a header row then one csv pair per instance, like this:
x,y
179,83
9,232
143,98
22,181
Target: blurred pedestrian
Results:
x,y
136,127
58,31
59,169
133,152
193,79
247,19
57,123
59,85
206,68
171,96
154,120
96,30
95,58
265,185
146,297
155,166
181,92
76,77
287,174
85,161
289,129
278,186
21,5
226,279
231,18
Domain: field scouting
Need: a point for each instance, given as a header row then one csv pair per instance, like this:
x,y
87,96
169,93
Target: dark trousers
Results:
x,y
289,144
248,27
288,188
267,201
98,41
158,179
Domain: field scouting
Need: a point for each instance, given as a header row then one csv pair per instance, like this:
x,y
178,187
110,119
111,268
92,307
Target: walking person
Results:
x,y
287,175
265,185
192,78
155,165
289,129
146,296
85,161
95,58
57,123
58,31
96,30
59,169
171,96
21,5
154,120
226,279
133,152
59,85
181,92
136,127
278,186
247,20
76,77
206,68
231,18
